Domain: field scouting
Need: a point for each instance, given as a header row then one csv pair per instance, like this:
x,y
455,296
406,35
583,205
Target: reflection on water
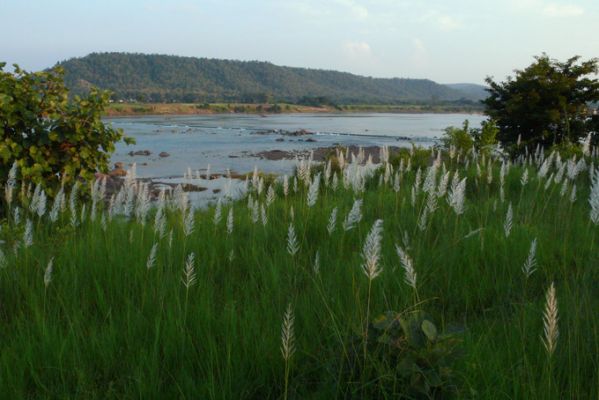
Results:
x,y
227,141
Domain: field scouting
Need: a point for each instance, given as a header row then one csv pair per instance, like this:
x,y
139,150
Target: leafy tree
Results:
x,y
51,138
465,138
547,103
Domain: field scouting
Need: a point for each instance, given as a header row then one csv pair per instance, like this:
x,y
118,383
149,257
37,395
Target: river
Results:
x,y
230,141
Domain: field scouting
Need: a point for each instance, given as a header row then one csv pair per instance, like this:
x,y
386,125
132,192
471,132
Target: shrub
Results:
x,y
52,139
418,356
465,139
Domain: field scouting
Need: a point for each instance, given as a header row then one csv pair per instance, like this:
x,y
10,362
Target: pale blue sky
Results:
x,y
447,41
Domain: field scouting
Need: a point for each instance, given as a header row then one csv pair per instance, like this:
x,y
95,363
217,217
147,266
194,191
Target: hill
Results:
x,y
164,78
471,90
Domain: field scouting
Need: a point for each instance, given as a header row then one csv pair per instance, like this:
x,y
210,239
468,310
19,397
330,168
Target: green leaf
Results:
x,y
430,330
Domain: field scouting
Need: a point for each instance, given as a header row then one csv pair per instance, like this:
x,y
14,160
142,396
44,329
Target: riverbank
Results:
x,y
139,109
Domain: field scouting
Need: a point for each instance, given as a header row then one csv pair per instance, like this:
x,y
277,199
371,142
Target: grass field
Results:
x,y
469,277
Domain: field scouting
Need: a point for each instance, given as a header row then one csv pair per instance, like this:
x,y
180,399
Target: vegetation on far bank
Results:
x,y
115,109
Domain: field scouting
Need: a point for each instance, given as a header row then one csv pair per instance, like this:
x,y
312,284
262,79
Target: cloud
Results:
x,y
547,8
337,9
306,9
441,21
356,10
448,23
562,10
357,49
181,7
419,52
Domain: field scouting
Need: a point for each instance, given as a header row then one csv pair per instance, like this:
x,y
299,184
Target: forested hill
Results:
x,y
162,78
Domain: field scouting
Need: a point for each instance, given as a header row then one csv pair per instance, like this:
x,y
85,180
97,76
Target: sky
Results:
x,y
446,41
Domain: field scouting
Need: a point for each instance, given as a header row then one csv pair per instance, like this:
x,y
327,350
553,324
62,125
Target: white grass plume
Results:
x,y
594,199
397,183
217,213
28,234
573,194
335,182
263,216
442,189
230,221
550,318
270,196
408,266
332,221
48,272
509,217
457,195
316,265
57,205
530,265
354,216
313,191
292,243
189,275
371,252
524,178
430,181
288,334
11,183
188,223
285,186
255,211
160,222
151,262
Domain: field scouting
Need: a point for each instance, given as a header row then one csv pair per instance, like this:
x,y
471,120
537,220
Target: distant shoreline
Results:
x,y
173,109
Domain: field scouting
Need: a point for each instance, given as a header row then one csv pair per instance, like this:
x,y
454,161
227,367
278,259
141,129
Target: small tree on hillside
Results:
x,y
51,138
547,103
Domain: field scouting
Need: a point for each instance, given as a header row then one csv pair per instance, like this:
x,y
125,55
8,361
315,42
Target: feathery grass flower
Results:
x,y
530,265
371,251
354,216
507,225
152,257
332,221
189,275
408,266
48,272
28,234
292,243
550,317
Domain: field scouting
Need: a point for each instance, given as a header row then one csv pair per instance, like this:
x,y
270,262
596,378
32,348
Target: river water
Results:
x,y
229,141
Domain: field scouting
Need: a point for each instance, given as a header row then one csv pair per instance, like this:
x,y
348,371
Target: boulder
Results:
x,y
140,153
118,172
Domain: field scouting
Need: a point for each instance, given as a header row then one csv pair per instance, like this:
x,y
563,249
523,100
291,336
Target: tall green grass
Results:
x,y
101,324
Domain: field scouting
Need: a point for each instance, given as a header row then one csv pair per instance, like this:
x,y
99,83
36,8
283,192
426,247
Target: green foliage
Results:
x,y
568,150
419,157
486,137
419,355
460,138
465,139
51,139
547,103
161,78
